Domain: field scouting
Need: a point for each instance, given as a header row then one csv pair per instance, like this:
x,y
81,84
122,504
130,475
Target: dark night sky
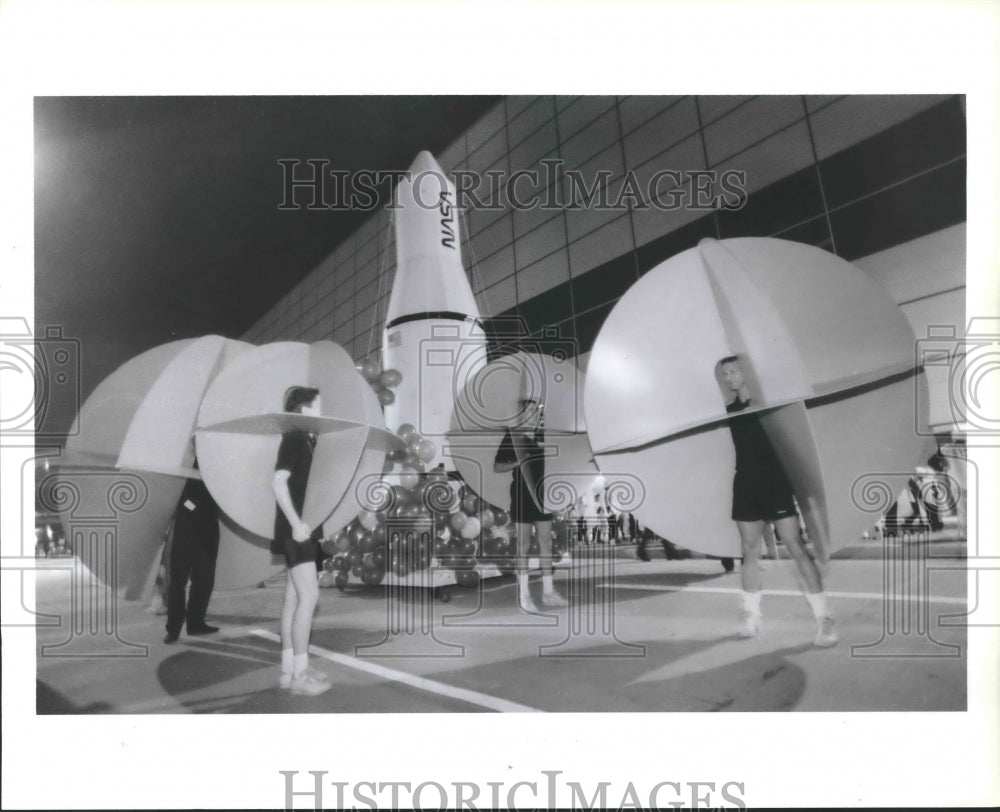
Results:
x,y
156,218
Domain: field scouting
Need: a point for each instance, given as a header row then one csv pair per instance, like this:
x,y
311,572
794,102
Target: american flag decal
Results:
x,y
395,340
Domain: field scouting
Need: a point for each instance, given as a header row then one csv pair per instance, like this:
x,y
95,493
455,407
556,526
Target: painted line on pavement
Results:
x,y
785,593
421,683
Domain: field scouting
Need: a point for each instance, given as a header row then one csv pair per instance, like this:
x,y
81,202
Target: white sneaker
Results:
x,y
826,633
305,684
553,599
750,624
286,677
527,604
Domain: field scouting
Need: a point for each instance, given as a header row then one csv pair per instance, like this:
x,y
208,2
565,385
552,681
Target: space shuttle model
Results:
x,y
433,334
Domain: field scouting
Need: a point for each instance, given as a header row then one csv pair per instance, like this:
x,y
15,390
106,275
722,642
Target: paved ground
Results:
x,y
655,636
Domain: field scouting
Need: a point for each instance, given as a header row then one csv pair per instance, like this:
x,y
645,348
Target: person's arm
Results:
x,y
506,458
300,530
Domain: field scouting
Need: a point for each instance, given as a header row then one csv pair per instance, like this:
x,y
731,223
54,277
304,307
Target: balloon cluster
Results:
x,y
359,549
426,518
382,382
407,463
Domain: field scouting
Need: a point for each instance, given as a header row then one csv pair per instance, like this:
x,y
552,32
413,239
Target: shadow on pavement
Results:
x,y
50,702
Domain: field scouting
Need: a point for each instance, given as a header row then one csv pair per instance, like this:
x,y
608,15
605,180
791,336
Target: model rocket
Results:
x,y
433,335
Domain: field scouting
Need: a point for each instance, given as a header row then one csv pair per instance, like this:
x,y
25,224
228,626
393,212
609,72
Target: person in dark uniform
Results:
x,y
299,544
194,547
762,493
520,448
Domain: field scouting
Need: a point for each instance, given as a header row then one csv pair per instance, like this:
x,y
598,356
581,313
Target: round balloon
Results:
x,y
368,371
408,478
426,450
471,528
467,578
390,378
373,576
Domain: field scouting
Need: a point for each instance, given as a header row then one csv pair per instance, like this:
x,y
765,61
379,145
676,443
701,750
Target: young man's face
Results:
x,y
312,409
733,375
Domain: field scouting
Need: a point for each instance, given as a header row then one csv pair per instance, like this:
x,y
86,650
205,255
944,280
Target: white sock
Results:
x,y
751,603
819,605
301,663
287,664
547,587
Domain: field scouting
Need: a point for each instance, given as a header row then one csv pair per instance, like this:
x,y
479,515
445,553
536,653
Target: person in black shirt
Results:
x,y
298,543
194,547
762,493
521,452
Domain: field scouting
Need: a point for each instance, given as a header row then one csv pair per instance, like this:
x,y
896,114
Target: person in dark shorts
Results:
x,y
524,511
299,544
194,547
762,493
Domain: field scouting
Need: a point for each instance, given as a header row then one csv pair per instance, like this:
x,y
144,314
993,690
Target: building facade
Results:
x,y
570,199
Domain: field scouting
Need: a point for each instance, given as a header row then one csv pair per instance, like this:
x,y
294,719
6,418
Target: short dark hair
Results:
x,y
730,359
938,463
298,396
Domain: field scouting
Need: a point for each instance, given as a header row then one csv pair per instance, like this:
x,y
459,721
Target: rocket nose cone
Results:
x,y
424,162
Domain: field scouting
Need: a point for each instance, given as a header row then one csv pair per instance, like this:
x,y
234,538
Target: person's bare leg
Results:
x,y
549,595
769,541
523,532
826,630
287,653
750,539
305,680
306,586
788,529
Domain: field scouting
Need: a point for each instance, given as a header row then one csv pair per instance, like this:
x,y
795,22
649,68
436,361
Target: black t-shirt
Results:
x,y
522,504
756,458
295,455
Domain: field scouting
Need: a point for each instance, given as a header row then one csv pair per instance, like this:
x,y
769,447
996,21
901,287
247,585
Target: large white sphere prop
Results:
x,y
363,490
134,436
829,360
242,419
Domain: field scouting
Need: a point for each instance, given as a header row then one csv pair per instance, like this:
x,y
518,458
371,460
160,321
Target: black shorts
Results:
x,y
296,552
762,500
523,508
